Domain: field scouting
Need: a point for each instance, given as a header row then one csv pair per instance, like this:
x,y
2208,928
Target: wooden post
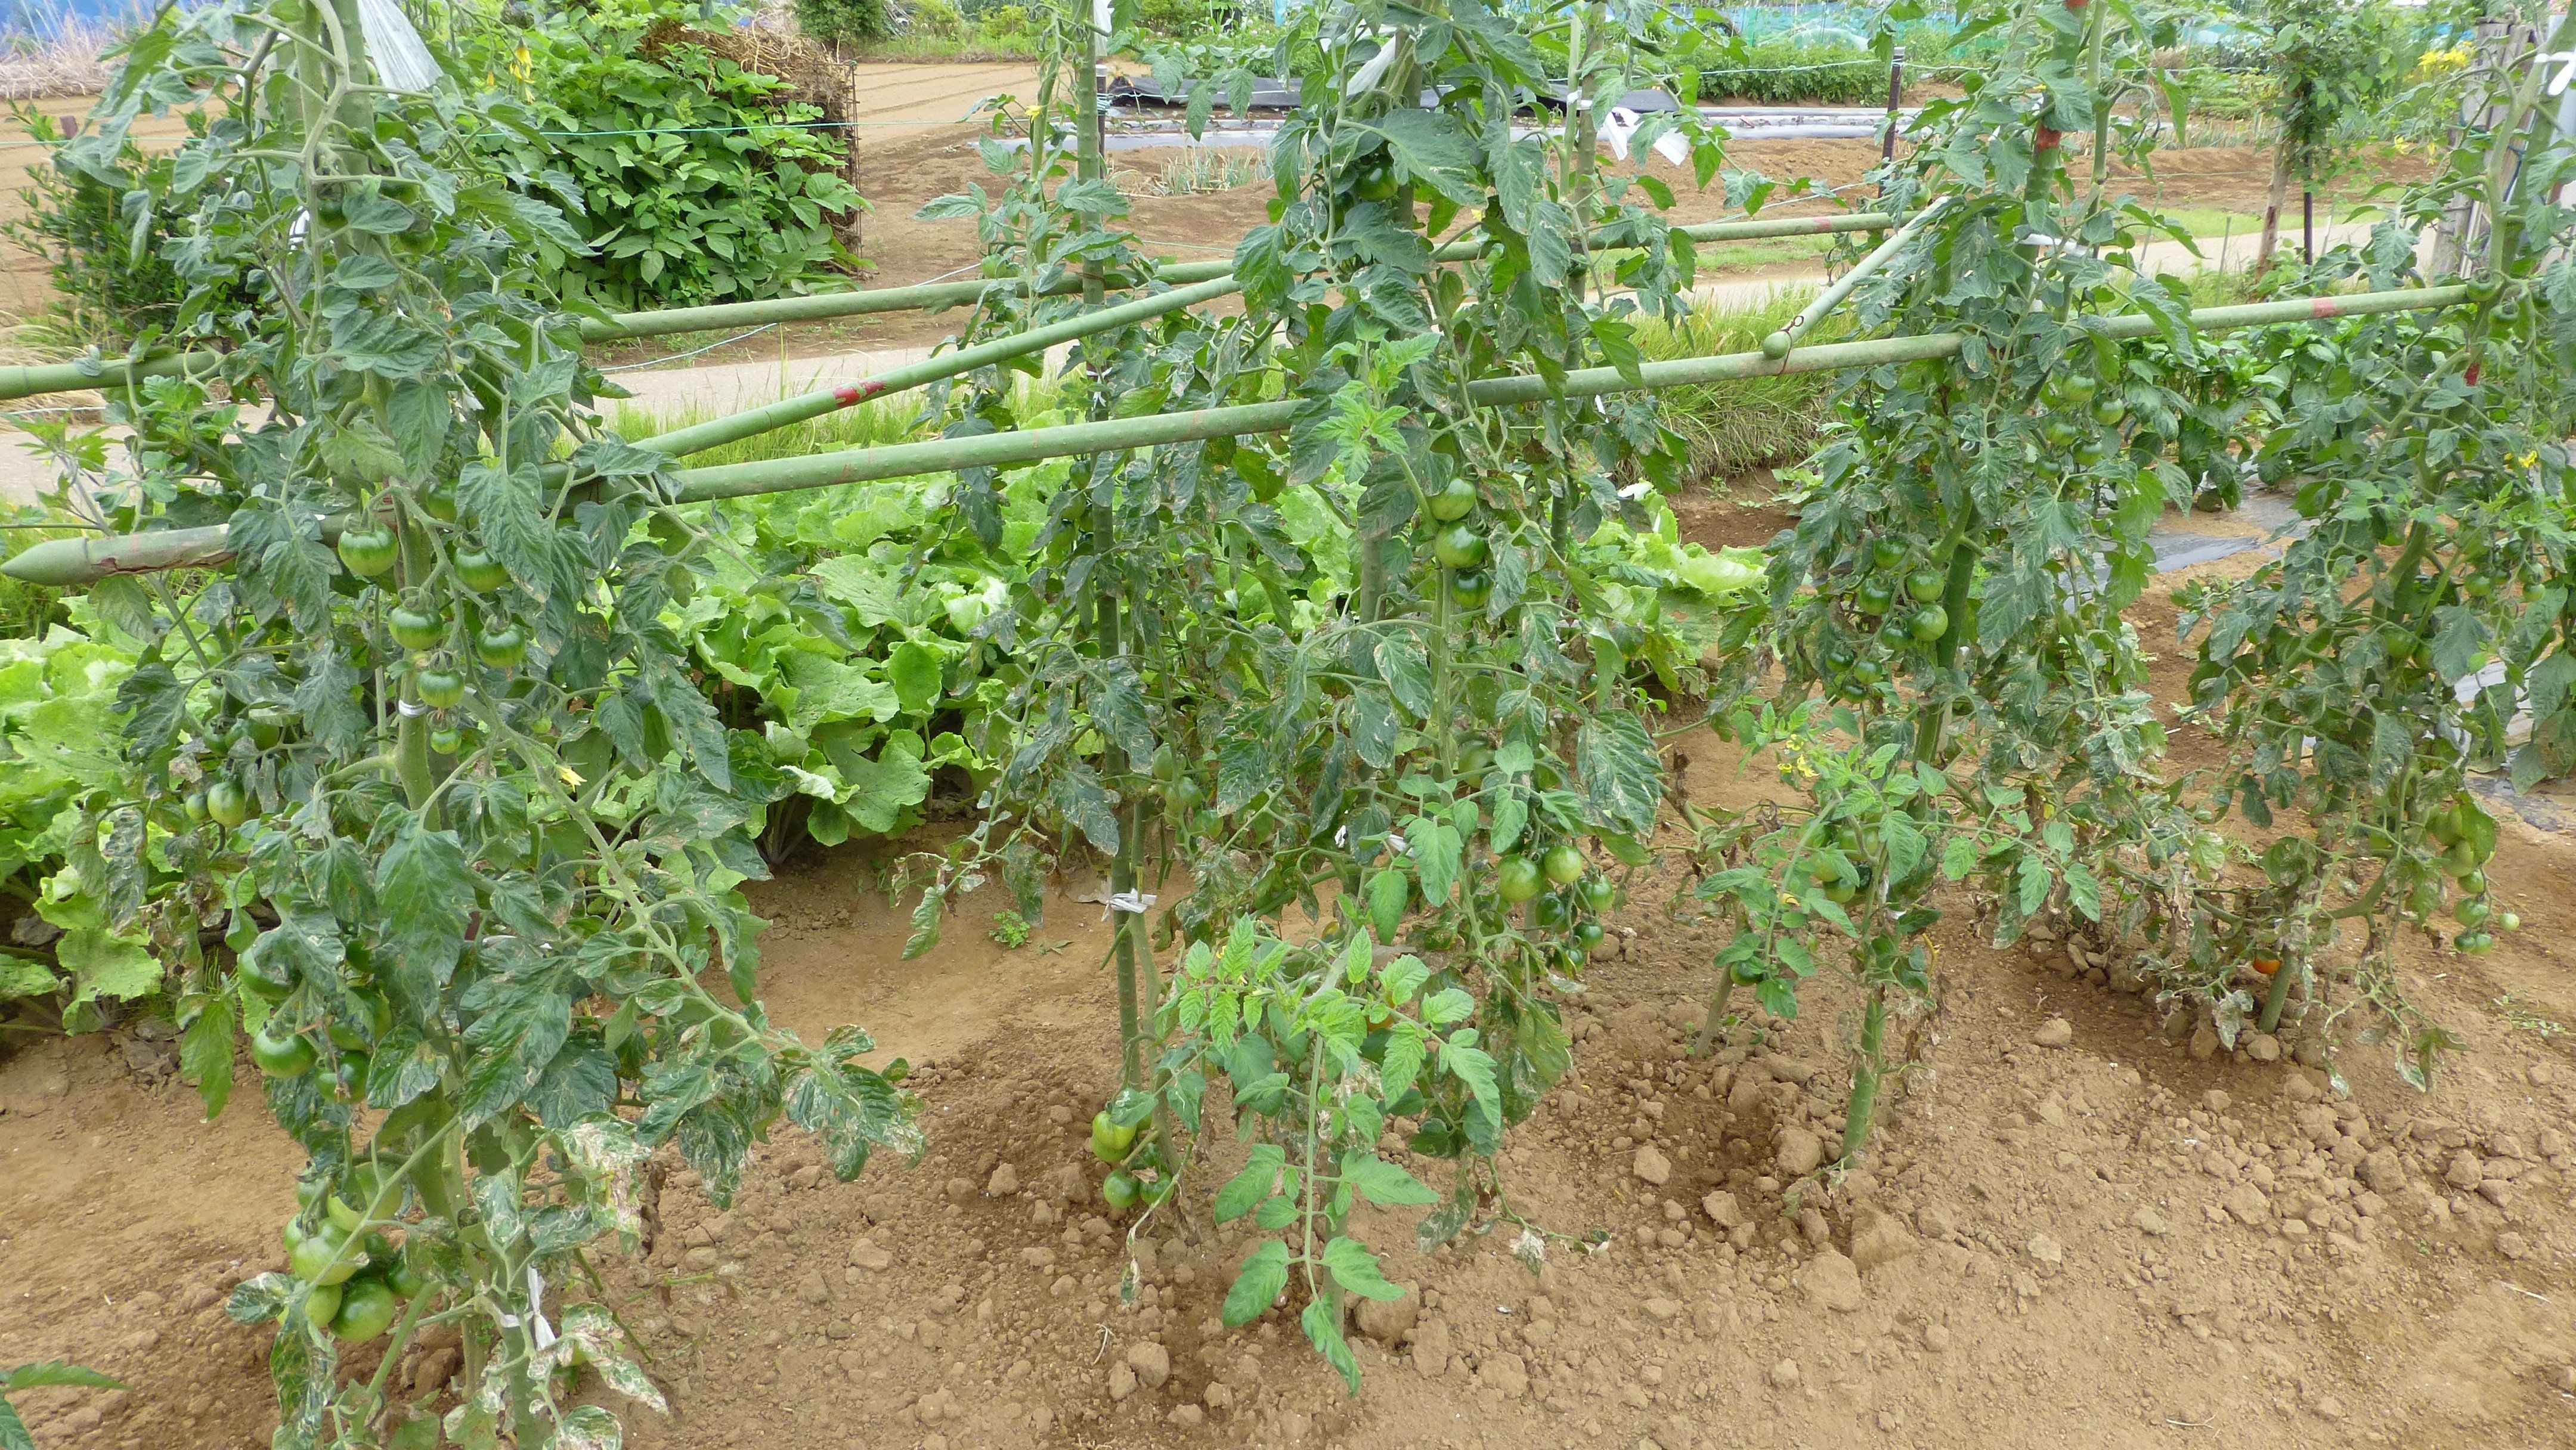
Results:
x,y
1895,105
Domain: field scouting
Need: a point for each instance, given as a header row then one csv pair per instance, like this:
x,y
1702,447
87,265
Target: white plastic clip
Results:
x,y
544,1332
2566,60
1134,903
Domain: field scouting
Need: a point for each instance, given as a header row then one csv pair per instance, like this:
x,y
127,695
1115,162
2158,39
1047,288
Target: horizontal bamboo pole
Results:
x,y
940,455
699,437
73,562
73,377
824,306
22,382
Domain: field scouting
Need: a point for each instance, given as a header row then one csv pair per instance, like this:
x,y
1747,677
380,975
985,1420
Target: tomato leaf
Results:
x,y
1246,1190
426,890
1357,1270
1258,1284
1325,1334
206,1053
1385,1184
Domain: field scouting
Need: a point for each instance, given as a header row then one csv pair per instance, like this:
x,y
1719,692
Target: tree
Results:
x,y
2331,63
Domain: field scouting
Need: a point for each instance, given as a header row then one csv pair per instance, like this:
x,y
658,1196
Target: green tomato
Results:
x,y
347,1205
1551,911
1455,502
2474,884
1166,764
2475,943
227,804
446,740
378,1015
1122,1190
1588,936
369,552
349,1075
1599,894
2058,432
1470,588
267,726
406,1279
1564,863
439,502
2108,411
2508,921
312,1259
261,987
1747,973
1460,547
1887,554
2077,388
415,629
1517,879
1874,596
2091,451
2470,912
322,1305
286,1054
1109,1142
194,806
1928,624
480,572
440,689
367,1309
1925,585
501,648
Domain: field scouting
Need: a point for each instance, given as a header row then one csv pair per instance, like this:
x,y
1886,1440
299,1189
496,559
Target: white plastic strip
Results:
x,y
402,60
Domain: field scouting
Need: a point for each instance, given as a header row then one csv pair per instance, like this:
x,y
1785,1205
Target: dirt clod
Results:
x,y
1833,1282
2055,1032
1800,1152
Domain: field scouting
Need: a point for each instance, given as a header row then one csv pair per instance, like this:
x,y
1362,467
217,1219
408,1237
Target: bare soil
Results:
x,y
2081,1223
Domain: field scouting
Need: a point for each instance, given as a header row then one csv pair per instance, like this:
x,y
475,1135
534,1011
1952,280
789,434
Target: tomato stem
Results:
x,y
1868,1068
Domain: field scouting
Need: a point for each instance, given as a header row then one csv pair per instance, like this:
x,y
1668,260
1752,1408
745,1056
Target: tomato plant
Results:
x,y
1391,671
1954,584
433,812
2418,629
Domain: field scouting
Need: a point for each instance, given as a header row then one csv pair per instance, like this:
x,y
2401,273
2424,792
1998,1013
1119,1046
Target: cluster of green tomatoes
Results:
x,y
2072,398
1564,894
1458,548
281,1049
359,1280
2459,841
1138,1172
425,621
1894,601
221,797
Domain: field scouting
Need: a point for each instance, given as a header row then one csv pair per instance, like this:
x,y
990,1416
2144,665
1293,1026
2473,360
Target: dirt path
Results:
x,y
2103,1232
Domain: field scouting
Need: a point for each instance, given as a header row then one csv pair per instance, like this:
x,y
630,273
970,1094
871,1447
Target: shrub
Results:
x,y
845,22
1787,71
693,170
111,275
